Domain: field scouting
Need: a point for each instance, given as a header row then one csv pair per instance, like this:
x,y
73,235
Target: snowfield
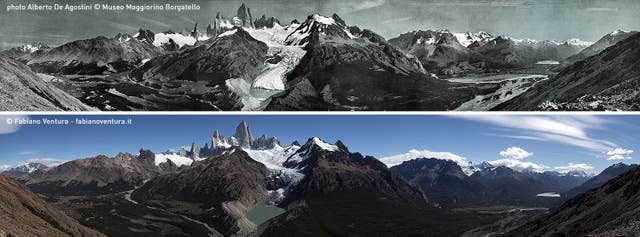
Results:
x,y
176,159
179,39
273,160
256,92
549,194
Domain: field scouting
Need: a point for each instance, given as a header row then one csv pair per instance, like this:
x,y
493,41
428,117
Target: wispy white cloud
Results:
x,y
396,20
4,167
154,22
515,136
601,9
120,26
570,130
27,153
364,5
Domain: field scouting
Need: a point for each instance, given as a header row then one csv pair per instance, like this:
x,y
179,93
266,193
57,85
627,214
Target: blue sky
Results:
x,y
551,142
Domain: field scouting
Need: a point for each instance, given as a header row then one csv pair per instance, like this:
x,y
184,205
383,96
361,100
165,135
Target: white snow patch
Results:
x,y
579,42
427,41
548,62
617,32
30,48
324,145
176,159
228,33
548,105
469,38
273,160
46,77
179,39
394,160
272,78
324,20
549,194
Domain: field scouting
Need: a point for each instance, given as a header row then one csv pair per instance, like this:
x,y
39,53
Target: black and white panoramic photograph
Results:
x,y
320,55
319,175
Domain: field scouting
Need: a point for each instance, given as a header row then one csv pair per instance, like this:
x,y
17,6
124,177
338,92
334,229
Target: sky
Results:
x,y
553,142
536,19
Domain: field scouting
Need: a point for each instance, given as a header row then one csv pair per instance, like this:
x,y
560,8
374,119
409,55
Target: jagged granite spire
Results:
x,y
244,14
195,151
216,139
243,135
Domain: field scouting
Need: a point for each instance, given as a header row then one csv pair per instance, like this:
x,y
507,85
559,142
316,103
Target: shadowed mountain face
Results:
x,y
219,191
25,52
23,213
207,65
346,68
93,176
505,52
95,56
332,168
610,210
597,181
23,90
215,60
446,184
606,81
442,181
602,44
437,50
344,193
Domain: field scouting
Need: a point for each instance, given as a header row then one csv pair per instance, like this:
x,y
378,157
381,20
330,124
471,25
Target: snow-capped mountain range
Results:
x,y
23,169
469,167
475,39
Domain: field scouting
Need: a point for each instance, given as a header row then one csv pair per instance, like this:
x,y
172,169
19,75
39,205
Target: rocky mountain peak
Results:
x,y
124,156
195,151
123,37
24,169
317,143
243,135
317,26
577,173
244,15
338,20
145,35
314,148
266,22
146,155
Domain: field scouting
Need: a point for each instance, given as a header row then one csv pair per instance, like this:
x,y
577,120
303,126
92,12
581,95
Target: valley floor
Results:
x,y
117,92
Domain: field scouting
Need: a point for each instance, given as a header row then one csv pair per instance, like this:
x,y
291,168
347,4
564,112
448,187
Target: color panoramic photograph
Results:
x,y
319,175
320,55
